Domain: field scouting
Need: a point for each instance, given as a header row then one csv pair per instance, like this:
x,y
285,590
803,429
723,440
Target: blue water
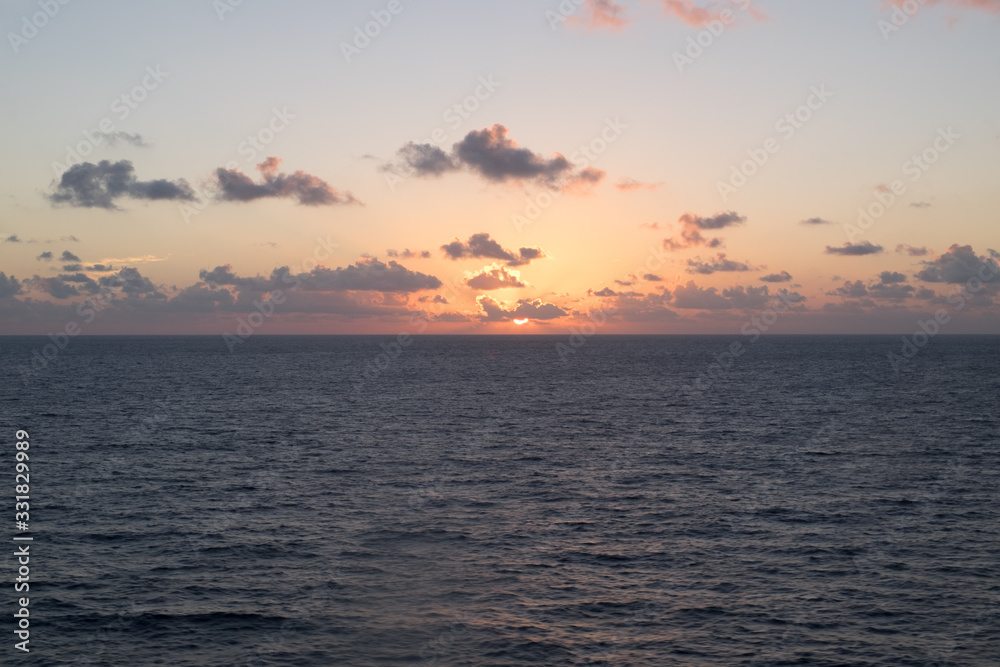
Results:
x,y
488,501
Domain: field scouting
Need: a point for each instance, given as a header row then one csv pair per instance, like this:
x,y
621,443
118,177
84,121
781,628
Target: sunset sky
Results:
x,y
651,167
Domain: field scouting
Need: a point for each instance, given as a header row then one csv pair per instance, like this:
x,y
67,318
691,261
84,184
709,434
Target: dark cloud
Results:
x,y
494,277
960,264
409,254
369,275
692,226
481,246
491,154
72,267
85,282
605,293
536,309
782,277
494,156
55,287
690,296
365,275
720,264
887,287
652,277
45,257
309,190
13,238
816,221
9,286
891,277
425,160
855,249
98,185
644,308
904,248
130,281
436,299
67,256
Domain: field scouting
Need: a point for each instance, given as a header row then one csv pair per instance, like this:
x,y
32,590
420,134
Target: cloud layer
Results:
x,y
89,185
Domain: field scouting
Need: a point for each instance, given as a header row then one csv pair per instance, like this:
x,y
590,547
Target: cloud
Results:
x,y
720,264
425,160
912,251
696,16
89,185
482,246
493,156
9,286
782,277
370,275
690,296
55,288
494,311
855,249
409,254
85,282
604,14
816,221
366,275
644,308
13,238
891,277
130,281
67,256
920,204
494,277
652,277
72,267
649,225
114,137
45,257
309,190
960,264
692,226
437,298
631,185
889,286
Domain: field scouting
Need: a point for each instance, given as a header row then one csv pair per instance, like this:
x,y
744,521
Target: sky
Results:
x,y
233,167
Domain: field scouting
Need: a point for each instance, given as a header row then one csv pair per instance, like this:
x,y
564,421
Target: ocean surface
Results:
x,y
507,501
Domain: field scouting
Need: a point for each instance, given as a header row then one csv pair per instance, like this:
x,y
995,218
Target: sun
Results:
x,y
520,322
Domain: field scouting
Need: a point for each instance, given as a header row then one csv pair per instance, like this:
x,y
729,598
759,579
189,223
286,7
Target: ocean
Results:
x,y
488,501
